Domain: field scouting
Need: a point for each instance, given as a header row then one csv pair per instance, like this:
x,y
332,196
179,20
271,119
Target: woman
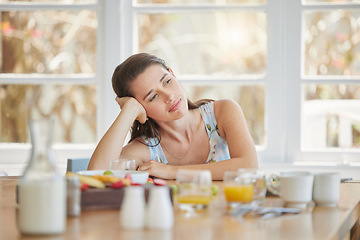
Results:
x,y
168,132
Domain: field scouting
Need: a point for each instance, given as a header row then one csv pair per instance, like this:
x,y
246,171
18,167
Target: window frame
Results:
x,y
116,38
14,156
273,150
295,60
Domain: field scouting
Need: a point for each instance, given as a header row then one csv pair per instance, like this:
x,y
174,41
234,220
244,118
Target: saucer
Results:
x,y
299,205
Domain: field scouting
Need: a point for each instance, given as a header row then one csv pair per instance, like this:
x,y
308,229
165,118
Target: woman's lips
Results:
x,y
175,106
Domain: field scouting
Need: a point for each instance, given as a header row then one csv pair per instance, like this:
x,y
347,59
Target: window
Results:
x,y
283,75
220,49
48,68
293,67
327,85
217,50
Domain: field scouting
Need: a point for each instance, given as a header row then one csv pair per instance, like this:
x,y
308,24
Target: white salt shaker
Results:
x,y
132,213
159,213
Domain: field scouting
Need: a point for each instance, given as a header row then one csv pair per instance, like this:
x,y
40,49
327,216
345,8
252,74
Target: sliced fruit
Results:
x,y
128,177
174,189
108,172
136,184
214,189
84,186
119,184
107,178
150,181
159,182
127,182
92,182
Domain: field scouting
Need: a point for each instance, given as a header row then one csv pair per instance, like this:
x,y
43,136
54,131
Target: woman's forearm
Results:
x,y
218,169
111,144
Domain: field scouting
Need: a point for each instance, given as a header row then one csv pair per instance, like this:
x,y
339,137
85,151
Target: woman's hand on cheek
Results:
x,y
157,169
133,105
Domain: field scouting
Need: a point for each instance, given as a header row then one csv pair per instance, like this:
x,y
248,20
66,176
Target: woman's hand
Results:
x,y
159,170
133,104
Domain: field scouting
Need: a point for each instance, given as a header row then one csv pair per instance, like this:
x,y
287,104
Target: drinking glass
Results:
x,y
123,164
194,189
238,188
259,183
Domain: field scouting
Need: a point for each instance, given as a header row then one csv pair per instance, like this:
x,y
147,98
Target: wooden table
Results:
x,y
327,223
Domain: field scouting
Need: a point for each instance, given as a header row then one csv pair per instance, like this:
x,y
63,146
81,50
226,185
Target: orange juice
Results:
x,y
194,199
239,193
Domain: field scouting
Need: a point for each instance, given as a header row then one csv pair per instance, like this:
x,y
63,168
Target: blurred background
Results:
x,y
294,67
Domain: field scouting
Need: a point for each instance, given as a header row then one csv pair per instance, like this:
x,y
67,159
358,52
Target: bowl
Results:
x,y
139,177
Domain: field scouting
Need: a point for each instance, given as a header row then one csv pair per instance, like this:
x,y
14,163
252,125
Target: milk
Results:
x,y
42,207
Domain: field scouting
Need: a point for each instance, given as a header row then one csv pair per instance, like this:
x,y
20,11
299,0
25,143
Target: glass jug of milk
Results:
x,y
42,190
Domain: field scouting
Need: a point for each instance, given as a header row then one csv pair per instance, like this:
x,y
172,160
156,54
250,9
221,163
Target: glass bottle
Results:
x,y
42,190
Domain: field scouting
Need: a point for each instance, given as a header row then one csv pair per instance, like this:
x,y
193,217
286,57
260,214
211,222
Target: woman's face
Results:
x,y
160,94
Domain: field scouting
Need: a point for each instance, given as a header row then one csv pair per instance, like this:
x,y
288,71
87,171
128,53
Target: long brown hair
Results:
x,y
127,72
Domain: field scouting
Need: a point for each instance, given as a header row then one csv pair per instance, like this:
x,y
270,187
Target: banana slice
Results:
x,y
92,182
107,178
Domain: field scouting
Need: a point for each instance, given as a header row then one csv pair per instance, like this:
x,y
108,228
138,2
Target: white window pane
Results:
x,y
192,2
331,40
329,1
50,42
331,116
251,99
211,43
73,107
50,1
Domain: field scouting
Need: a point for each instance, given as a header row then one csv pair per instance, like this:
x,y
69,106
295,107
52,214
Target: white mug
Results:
x,y
294,187
326,191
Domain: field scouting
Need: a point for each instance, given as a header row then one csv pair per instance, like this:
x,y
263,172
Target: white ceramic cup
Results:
x,y
294,187
326,191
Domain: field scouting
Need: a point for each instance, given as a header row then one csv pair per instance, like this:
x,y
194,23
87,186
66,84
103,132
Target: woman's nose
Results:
x,y
169,97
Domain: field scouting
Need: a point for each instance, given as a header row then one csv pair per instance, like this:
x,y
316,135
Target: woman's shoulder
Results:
x,y
136,149
225,106
228,114
227,110
220,109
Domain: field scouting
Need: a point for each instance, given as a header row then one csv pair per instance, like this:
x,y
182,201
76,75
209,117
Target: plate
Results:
x,y
139,177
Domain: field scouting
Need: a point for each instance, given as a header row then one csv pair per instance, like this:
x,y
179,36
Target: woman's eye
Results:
x,y
153,97
167,82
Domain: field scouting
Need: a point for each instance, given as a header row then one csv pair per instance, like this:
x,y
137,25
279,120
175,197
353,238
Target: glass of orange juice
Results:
x,y
194,189
259,182
238,188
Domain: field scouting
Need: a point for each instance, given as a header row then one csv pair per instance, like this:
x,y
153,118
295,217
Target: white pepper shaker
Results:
x,y
73,202
160,214
132,213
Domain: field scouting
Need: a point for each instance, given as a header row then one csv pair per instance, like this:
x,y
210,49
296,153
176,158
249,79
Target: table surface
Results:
x,y
214,223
